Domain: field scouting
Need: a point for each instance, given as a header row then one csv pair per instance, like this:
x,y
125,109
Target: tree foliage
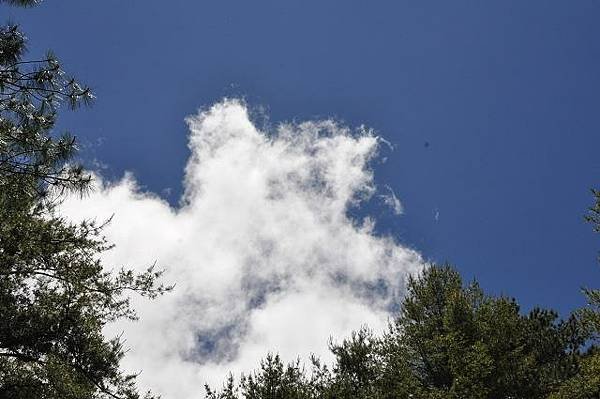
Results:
x,y
458,342
450,340
591,314
31,92
273,380
55,294
586,384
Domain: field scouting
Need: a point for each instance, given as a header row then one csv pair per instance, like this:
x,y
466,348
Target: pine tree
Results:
x,y
456,341
591,315
449,341
586,384
273,380
55,294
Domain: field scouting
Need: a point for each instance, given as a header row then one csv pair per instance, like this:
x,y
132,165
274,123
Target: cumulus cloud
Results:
x,y
261,249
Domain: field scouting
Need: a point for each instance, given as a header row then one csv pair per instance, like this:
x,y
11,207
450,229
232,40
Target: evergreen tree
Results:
x,y
448,341
55,295
591,315
356,368
273,380
457,342
586,384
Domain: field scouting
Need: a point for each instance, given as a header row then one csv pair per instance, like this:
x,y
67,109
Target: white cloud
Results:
x,y
262,251
392,201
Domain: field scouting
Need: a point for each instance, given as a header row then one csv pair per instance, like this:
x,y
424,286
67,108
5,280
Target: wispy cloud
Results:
x,y
262,251
392,201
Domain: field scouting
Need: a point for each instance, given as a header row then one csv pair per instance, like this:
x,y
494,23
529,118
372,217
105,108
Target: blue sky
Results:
x,y
492,108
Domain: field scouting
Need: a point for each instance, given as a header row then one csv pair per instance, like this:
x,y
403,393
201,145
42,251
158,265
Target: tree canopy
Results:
x,y
586,384
55,294
449,340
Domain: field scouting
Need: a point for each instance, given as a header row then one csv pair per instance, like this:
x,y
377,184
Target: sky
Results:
x,y
372,136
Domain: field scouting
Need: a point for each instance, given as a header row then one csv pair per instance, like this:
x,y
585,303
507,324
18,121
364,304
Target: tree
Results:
x,y
448,341
55,294
32,159
591,315
273,380
458,342
586,384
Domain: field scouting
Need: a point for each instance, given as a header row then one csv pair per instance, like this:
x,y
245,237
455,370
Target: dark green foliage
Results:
x,y
458,342
356,366
31,92
586,384
55,298
273,380
593,215
591,315
449,341
452,341
55,295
